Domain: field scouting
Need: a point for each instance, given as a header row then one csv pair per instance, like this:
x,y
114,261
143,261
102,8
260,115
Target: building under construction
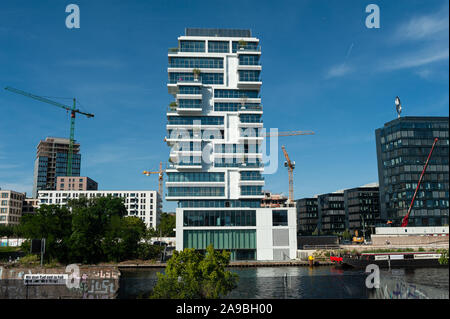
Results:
x,y
51,162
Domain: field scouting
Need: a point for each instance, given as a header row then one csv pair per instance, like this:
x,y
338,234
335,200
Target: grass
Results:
x,y
9,249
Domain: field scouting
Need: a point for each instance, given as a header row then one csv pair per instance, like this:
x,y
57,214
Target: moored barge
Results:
x,y
393,260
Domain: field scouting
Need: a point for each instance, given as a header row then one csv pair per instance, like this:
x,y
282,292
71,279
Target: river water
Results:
x,y
310,283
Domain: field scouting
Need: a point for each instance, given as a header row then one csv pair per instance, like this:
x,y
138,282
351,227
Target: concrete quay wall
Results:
x,y
95,282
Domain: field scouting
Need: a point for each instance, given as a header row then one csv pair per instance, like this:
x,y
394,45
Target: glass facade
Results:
x,y
234,94
249,76
307,216
205,78
240,242
247,59
196,177
192,46
226,202
362,208
403,146
195,191
331,212
219,46
219,203
196,218
248,46
279,217
190,104
185,89
210,63
190,120
234,107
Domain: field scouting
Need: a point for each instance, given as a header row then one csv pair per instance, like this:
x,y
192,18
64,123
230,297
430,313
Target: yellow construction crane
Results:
x,y
290,166
160,179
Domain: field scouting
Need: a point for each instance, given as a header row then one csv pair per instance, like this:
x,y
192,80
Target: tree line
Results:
x,y
90,231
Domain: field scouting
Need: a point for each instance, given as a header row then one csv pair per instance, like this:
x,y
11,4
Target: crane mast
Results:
x,y
290,165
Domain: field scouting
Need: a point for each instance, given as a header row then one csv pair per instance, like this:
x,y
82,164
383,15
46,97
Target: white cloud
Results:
x,y
425,27
338,71
416,59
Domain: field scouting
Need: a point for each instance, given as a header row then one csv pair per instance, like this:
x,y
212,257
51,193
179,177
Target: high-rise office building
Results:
x,y
331,213
362,209
307,216
213,129
403,146
51,162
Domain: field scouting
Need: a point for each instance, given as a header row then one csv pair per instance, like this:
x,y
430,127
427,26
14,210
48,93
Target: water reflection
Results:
x,y
308,283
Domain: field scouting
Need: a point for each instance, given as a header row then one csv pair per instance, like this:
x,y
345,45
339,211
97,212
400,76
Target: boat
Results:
x,y
392,260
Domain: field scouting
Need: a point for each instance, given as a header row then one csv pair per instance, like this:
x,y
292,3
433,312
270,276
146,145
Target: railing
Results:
x,y
174,50
250,108
251,49
252,178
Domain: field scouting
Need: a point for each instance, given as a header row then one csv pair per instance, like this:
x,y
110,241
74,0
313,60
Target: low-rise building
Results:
x,y
144,204
11,203
30,205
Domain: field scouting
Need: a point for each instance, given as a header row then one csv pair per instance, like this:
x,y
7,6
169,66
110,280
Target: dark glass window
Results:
x,y
279,218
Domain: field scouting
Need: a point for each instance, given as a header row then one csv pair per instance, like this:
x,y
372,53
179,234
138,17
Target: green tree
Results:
x,y
166,226
315,232
443,260
52,223
91,220
191,275
122,238
346,235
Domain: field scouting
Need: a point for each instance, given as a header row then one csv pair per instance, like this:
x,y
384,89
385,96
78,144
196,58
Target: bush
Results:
x,y
29,260
443,260
147,251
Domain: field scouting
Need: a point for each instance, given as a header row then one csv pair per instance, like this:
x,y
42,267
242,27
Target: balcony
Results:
x,y
173,85
250,84
247,109
249,50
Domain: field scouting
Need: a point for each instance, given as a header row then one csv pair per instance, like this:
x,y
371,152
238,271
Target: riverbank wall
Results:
x,y
94,282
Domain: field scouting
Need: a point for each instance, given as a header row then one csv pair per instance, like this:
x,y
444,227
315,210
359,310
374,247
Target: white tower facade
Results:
x,y
214,131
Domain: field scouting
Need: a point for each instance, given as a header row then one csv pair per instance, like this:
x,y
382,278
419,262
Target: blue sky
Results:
x,y
323,70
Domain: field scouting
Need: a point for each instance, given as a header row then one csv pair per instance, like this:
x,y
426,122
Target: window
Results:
x,y
192,46
210,63
219,93
219,46
279,218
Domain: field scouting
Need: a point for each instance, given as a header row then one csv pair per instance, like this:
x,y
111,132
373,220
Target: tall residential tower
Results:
x,y
213,129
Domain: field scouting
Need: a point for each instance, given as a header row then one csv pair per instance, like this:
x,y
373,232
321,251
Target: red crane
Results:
x,y
405,219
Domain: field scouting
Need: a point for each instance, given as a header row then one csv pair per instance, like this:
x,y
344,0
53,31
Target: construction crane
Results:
x,y
160,178
73,110
290,166
288,133
406,218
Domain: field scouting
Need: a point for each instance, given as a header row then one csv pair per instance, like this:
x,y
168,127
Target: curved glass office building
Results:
x,y
403,146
